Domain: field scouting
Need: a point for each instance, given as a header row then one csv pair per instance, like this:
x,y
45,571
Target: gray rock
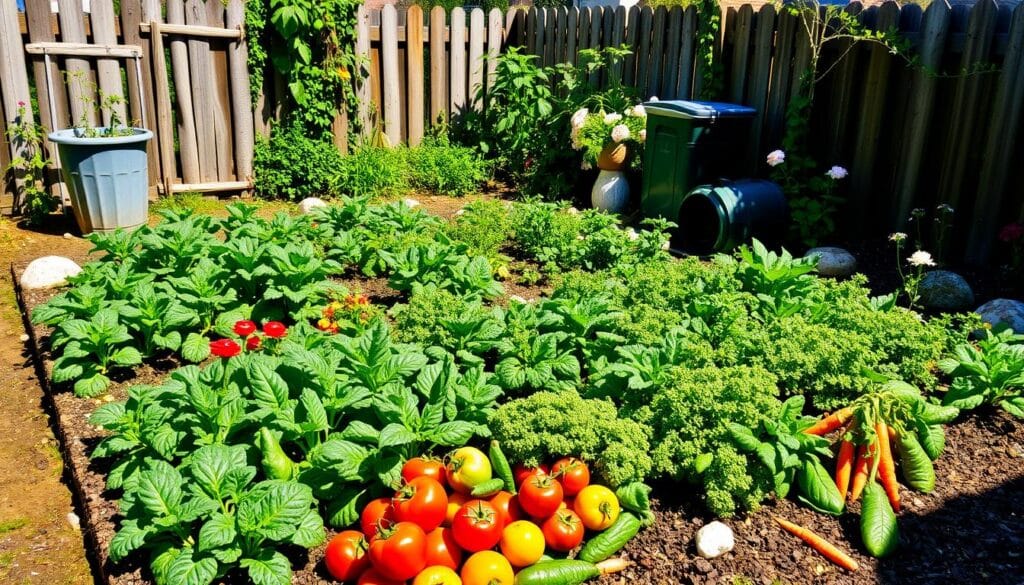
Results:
x,y
943,290
48,272
1006,311
833,261
714,540
307,205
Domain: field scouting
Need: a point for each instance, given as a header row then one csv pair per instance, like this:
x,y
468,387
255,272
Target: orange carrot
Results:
x,y
826,548
830,422
844,467
861,471
887,467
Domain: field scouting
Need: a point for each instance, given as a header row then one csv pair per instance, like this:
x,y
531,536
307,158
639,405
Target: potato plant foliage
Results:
x,y
642,364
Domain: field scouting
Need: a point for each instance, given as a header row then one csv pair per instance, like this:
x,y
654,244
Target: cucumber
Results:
x,y
502,470
611,540
565,572
487,488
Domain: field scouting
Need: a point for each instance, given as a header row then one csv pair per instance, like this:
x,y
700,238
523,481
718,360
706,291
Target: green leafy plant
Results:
x,y
992,372
291,165
90,349
436,166
546,425
26,137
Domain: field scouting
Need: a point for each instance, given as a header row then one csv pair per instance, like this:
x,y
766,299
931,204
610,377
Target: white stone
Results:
x,y
75,522
1003,311
48,272
833,261
24,337
307,205
714,540
68,236
410,202
943,290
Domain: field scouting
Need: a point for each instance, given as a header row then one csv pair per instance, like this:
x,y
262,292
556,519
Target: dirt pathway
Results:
x,y
38,543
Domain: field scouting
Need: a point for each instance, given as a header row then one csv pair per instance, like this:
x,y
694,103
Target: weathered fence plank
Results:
x,y
39,31
389,63
81,97
414,59
363,85
108,71
241,104
438,66
740,52
643,69
476,55
675,33
14,87
458,71
494,40
657,52
187,138
140,98
632,34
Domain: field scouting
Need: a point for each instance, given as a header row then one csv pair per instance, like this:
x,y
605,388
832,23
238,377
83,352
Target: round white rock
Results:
x,y
714,540
307,205
48,272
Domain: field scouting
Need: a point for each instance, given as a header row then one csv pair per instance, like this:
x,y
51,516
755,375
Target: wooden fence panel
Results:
x,y
108,71
757,88
363,82
1003,127
80,93
389,63
191,167
657,52
632,34
458,71
597,16
675,33
744,20
643,68
476,55
414,59
14,88
140,98
572,27
40,30
842,84
438,68
494,39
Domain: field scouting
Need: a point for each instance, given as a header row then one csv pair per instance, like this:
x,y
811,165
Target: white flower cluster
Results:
x,y
921,258
620,133
776,158
612,118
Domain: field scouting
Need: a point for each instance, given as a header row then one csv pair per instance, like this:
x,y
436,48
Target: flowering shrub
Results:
x,y
593,131
349,315
812,200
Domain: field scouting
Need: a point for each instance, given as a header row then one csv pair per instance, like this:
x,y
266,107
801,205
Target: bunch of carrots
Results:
x,y
877,427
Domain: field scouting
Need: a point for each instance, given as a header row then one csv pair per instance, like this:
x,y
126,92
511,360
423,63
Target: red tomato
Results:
x,y
540,496
346,556
563,531
421,501
442,549
424,466
477,526
378,511
520,472
572,473
373,577
400,551
507,506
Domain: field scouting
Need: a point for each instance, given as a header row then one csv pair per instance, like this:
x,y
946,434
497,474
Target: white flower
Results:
x,y
642,135
620,133
585,165
776,158
836,173
579,117
572,211
921,258
612,118
897,237
637,111
632,235
410,202
629,111
654,98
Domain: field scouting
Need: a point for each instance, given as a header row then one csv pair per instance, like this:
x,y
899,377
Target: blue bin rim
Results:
x,y
68,136
698,110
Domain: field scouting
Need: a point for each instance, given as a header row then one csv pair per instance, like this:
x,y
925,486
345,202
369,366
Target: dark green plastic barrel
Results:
x,y
690,143
717,218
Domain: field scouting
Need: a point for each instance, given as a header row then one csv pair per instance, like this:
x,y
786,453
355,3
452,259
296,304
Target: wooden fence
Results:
x,y
909,137
203,140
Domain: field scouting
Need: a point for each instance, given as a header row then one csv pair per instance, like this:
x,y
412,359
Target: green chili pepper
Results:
x,y
878,527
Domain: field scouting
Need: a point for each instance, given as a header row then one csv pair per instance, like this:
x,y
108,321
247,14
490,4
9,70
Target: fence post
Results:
x,y
241,102
13,77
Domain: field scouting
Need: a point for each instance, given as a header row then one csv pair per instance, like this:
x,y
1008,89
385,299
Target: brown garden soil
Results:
x,y
969,529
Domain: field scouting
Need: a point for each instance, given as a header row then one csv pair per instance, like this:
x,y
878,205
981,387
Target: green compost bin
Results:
x,y
690,143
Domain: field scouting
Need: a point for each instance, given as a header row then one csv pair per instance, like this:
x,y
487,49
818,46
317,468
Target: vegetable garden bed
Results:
x,y
968,529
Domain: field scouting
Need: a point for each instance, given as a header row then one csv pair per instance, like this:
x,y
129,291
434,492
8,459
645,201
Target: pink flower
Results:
x,y
21,103
620,133
776,158
1011,232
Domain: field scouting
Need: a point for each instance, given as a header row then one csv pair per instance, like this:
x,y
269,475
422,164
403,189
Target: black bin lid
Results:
x,y
698,110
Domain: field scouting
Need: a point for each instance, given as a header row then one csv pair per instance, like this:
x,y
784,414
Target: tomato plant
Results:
x,y
424,467
572,473
345,556
522,543
507,506
466,468
442,550
399,551
597,507
422,501
377,512
563,531
540,496
487,568
437,576
476,526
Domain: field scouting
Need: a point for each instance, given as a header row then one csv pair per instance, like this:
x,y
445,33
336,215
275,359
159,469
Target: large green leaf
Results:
x,y
159,489
268,567
185,569
273,509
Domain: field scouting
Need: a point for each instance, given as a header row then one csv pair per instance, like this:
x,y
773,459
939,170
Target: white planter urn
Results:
x,y
610,192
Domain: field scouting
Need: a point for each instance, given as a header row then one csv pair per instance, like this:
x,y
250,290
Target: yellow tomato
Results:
x,y
522,543
437,576
487,568
597,507
455,501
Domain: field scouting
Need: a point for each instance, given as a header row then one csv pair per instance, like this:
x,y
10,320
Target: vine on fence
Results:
x,y
27,136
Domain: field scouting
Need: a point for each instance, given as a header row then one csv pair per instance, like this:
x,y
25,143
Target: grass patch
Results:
x,y
12,525
187,201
